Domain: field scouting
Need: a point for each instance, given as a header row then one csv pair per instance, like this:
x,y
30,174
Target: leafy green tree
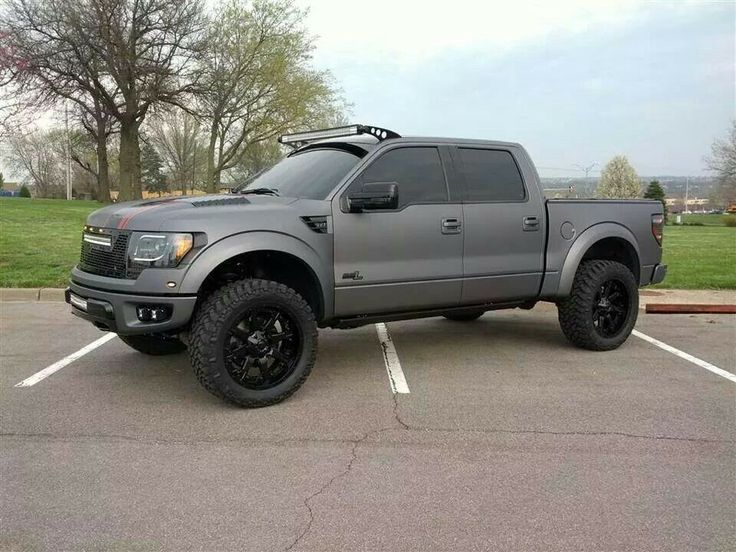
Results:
x,y
257,81
619,180
24,191
655,191
2,181
152,176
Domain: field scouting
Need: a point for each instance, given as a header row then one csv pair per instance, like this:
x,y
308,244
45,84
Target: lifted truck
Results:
x,y
358,225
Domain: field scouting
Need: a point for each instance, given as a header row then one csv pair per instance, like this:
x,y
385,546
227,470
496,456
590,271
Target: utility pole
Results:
x,y
586,169
687,192
68,152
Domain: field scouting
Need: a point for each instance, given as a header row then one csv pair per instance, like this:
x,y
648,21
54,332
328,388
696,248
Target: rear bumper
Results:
x,y
117,312
660,271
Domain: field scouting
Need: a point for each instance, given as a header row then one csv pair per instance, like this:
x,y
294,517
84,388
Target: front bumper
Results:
x,y
660,271
117,312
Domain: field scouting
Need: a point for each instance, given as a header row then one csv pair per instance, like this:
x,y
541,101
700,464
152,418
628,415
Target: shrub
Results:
x,y
24,191
729,220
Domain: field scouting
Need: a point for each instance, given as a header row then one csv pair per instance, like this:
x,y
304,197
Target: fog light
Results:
x,y
153,313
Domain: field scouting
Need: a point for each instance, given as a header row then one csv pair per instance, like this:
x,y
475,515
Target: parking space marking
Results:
x,y
391,359
682,354
56,366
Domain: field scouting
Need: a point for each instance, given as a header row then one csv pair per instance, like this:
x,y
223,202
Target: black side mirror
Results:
x,y
374,195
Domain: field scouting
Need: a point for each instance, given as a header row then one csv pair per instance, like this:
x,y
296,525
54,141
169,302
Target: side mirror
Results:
x,y
374,195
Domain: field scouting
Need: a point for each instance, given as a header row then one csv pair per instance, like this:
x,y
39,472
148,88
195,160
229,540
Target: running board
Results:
x,y
365,319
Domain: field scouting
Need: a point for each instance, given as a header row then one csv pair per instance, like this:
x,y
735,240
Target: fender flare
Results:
x,y
583,243
249,242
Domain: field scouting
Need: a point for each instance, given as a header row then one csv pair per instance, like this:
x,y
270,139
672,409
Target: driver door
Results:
x,y
402,259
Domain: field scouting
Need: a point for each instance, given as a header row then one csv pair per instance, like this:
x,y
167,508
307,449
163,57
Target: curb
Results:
x,y
31,294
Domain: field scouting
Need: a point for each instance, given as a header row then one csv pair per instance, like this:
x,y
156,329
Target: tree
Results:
x,y
257,82
24,191
177,138
50,64
152,177
722,161
619,180
36,153
2,181
121,56
655,191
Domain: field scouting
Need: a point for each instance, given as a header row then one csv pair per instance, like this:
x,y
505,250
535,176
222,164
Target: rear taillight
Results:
x,y
658,227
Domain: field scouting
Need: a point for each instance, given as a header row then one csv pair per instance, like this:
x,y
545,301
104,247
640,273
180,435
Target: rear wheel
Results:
x,y
154,344
602,308
465,316
253,342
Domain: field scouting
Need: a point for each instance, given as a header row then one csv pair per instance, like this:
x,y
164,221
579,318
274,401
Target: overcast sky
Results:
x,y
575,82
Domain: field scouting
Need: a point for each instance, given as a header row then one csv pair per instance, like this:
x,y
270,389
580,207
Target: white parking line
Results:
x,y
682,354
391,359
56,366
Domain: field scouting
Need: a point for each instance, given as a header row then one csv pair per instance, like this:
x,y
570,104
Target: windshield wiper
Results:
x,y
260,191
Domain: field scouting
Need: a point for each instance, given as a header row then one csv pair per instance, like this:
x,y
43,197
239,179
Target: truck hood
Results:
x,y
151,215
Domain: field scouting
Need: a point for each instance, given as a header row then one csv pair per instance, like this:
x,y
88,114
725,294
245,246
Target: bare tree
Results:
x,y
114,58
257,80
722,161
36,154
176,135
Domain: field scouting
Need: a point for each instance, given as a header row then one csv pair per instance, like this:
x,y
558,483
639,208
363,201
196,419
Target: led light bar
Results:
x,y
299,138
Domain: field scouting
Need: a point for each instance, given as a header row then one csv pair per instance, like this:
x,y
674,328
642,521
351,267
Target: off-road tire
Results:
x,y
465,316
154,344
212,321
575,313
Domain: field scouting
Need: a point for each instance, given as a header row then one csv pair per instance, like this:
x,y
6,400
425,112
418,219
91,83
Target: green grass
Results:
x,y
40,241
700,257
705,220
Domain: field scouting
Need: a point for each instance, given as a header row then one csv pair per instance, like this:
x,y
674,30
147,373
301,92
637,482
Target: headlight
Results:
x,y
159,250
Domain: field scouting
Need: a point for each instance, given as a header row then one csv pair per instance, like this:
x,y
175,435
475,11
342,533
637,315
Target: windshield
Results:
x,y
309,175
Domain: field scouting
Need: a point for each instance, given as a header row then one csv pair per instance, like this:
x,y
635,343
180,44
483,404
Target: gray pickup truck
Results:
x,y
358,225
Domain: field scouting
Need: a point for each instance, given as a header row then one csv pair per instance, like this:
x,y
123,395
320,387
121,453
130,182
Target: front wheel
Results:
x,y
602,308
253,342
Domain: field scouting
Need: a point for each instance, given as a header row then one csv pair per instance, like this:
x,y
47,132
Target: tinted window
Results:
x,y
490,175
310,175
417,171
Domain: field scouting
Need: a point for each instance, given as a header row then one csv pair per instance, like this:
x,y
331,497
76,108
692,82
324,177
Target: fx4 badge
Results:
x,y
352,276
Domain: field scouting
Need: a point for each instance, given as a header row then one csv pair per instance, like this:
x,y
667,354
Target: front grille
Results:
x,y
106,261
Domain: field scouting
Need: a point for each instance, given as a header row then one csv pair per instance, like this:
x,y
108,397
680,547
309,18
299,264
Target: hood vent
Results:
x,y
317,224
223,200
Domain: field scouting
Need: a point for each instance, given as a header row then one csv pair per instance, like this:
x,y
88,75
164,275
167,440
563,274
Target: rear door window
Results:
x,y
490,175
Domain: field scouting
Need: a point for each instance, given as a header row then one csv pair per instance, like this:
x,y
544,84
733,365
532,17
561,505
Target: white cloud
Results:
x,y
405,31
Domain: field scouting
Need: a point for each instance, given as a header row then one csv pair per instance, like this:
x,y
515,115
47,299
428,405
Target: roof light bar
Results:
x,y
298,138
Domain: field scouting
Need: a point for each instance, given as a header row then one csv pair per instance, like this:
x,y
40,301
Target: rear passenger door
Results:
x,y
503,252
408,258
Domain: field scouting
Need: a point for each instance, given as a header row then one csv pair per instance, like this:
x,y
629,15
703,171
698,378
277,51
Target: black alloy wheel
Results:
x,y
262,347
610,308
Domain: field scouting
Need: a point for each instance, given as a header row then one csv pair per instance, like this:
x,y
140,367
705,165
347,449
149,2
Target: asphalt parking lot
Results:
x,y
510,439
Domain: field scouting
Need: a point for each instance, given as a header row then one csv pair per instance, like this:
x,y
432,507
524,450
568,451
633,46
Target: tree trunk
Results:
x,y
211,171
130,161
103,168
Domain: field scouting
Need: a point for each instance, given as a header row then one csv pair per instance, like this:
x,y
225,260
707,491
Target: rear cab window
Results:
x,y
490,175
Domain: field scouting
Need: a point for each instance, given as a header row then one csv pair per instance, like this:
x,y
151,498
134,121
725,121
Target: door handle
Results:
x,y
451,226
530,224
